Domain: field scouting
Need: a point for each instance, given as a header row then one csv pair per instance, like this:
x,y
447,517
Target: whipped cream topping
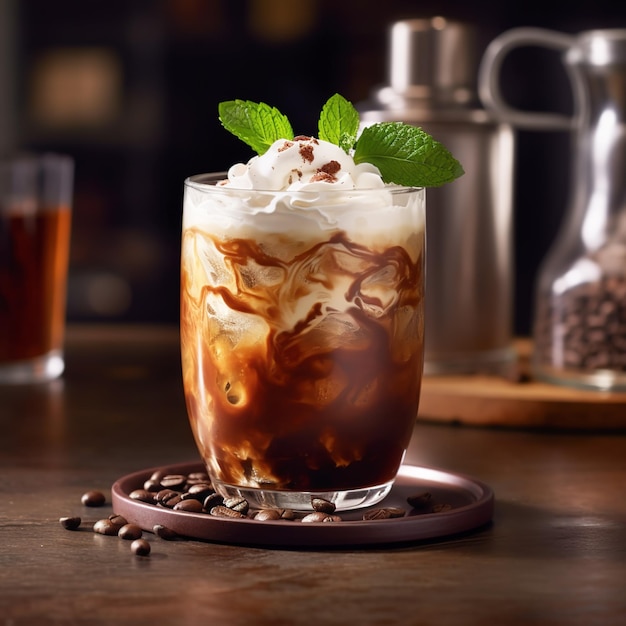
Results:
x,y
303,164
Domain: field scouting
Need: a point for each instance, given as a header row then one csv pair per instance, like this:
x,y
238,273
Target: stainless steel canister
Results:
x,y
432,75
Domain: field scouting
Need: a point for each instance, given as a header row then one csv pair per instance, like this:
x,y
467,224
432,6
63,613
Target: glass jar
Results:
x,y
580,309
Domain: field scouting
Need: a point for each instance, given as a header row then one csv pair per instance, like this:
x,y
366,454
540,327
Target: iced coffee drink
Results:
x,y
302,329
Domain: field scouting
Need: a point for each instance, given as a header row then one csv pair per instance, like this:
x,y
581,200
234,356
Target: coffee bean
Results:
x,y
584,328
157,476
173,481
213,499
152,485
142,495
266,515
129,531
237,504
168,498
191,506
140,547
93,498
420,500
105,527
163,532
198,477
441,508
224,511
319,516
160,497
384,513
322,506
200,490
117,520
70,523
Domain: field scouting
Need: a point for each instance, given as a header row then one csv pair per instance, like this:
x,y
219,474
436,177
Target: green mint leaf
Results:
x,y
339,122
406,155
257,124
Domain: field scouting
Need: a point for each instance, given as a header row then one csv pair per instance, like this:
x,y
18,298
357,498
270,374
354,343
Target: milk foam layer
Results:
x,y
312,184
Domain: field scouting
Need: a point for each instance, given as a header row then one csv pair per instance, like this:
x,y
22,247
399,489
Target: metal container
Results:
x,y
432,74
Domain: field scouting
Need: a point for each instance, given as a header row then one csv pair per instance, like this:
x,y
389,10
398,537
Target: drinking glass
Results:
x,y
302,338
35,220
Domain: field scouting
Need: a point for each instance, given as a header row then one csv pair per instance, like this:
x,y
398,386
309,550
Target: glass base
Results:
x,y
500,362
344,500
596,380
38,370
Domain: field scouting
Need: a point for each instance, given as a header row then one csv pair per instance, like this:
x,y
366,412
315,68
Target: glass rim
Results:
x,y
209,180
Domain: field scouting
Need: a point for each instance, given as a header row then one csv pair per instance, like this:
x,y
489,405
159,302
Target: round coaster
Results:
x,y
460,504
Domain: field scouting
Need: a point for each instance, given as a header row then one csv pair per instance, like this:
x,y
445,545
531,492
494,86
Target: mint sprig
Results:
x,y
339,122
404,154
256,124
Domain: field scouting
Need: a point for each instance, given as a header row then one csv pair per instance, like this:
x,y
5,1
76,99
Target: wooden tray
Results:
x,y
523,403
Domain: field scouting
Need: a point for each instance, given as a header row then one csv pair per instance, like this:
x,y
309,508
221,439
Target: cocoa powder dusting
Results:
x,y
324,177
298,173
332,167
306,152
327,172
285,146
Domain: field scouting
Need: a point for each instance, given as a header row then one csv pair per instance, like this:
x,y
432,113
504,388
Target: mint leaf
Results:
x,y
339,122
256,124
406,155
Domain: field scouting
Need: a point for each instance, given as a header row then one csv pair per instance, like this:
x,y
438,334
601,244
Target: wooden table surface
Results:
x,y
555,553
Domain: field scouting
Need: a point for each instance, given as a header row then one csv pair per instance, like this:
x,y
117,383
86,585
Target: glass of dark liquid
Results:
x,y
302,338
35,217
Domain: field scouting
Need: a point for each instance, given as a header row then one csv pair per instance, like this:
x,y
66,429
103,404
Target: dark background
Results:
x,y
139,113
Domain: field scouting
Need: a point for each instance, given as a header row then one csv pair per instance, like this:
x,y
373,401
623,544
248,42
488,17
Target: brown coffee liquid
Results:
x,y
302,371
33,276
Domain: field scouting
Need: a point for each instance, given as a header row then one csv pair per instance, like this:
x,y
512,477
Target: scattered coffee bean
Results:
x,y
70,523
140,547
191,506
420,500
384,513
319,516
224,511
93,498
173,481
288,514
237,504
441,508
200,490
322,506
130,531
143,495
267,515
164,532
157,476
213,499
168,498
161,497
198,477
105,527
118,520
152,485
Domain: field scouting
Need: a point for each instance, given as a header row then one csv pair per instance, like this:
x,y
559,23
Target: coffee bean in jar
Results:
x,y
580,324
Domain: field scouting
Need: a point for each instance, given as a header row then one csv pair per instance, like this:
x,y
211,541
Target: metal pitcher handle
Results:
x,y
489,77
